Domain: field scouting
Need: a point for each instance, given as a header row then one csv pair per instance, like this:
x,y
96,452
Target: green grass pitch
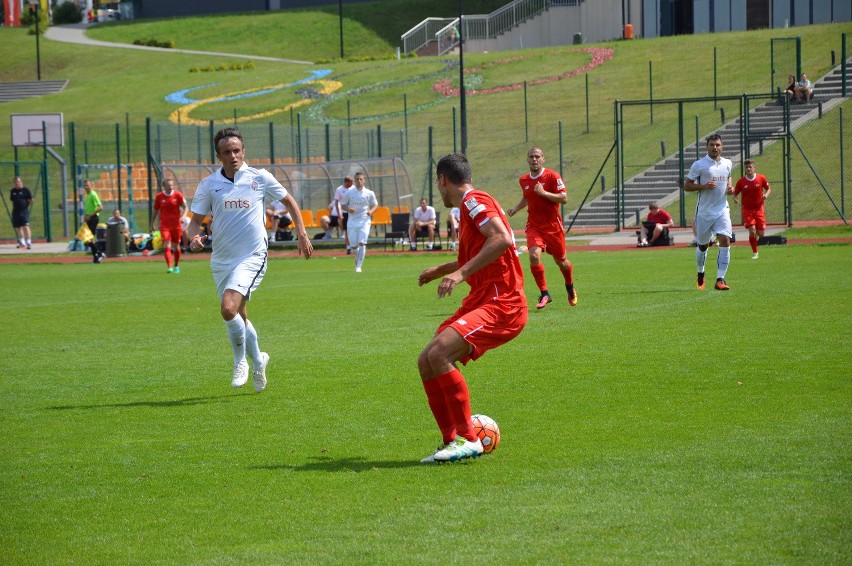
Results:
x,y
653,423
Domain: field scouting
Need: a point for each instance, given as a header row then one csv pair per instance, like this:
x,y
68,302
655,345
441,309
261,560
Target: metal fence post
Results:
x,y
526,116
118,160
271,143
45,184
72,138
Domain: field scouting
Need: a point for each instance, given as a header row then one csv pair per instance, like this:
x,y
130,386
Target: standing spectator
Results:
x,y
360,203
424,218
91,207
234,196
117,218
755,190
453,227
710,176
657,223
804,90
543,192
493,313
22,200
169,205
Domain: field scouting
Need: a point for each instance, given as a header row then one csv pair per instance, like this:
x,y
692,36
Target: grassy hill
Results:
x,y
110,86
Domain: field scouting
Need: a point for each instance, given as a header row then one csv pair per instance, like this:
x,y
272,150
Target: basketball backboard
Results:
x,y
27,129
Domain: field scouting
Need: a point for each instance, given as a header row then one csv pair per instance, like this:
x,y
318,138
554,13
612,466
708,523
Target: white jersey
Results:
x,y
338,196
361,201
711,203
238,212
427,215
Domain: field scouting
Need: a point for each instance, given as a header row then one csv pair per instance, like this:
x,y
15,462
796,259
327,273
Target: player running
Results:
x,y
169,205
494,312
710,176
543,192
755,190
234,195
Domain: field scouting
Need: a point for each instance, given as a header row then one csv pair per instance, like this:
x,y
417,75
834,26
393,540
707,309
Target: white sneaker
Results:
x,y
452,246
431,459
429,246
259,372
459,449
357,270
755,255
240,374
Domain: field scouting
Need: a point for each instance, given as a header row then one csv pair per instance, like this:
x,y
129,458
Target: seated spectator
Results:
x,y
453,227
657,226
790,90
424,221
279,217
117,218
184,237
804,90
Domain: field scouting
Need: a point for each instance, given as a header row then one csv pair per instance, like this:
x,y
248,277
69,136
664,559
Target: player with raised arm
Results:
x,y
234,195
543,193
755,190
169,205
710,176
493,313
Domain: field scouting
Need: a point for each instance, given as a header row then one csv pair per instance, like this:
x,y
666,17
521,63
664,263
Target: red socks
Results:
x,y
177,255
753,241
449,400
538,275
167,252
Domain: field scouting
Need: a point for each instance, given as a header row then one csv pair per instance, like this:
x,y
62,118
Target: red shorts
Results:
x,y
551,242
754,218
486,327
171,234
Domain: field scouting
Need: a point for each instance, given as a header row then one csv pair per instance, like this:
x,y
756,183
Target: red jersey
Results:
x,y
503,279
660,217
169,207
543,214
752,191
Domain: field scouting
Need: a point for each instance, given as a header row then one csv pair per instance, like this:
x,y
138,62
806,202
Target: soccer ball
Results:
x,y
487,431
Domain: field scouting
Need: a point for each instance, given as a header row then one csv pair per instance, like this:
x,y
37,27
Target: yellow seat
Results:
x,y
308,219
382,217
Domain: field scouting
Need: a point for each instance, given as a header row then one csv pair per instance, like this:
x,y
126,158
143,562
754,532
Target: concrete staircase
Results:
x,y
660,182
28,89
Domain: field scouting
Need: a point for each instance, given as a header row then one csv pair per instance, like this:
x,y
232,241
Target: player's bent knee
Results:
x,y
703,247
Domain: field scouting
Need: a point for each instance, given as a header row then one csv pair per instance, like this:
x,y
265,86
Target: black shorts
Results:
x,y
332,222
283,221
21,219
345,220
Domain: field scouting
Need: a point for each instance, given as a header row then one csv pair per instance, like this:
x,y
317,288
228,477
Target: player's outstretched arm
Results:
x,y
437,271
306,248
522,204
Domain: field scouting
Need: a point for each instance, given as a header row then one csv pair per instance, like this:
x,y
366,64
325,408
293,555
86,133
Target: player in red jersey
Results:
x,y
169,205
543,192
755,189
494,312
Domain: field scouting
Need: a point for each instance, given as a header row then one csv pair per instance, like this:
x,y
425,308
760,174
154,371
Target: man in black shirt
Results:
x,y
22,200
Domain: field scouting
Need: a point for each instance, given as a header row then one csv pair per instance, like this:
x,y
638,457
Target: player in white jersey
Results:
x,y
360,202
710,176
234,195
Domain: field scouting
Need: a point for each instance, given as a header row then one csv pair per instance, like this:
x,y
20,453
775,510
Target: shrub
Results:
x,y
67,13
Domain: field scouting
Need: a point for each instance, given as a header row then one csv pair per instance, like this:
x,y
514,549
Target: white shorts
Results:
x,y
243,277
706,228
358,234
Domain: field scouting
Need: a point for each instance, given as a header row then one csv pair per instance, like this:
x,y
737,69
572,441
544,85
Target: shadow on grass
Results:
x,y
353,464
189,401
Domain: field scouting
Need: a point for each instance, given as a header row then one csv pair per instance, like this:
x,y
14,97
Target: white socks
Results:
x,y
237,335
700,259
360,255
722,262
252,347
